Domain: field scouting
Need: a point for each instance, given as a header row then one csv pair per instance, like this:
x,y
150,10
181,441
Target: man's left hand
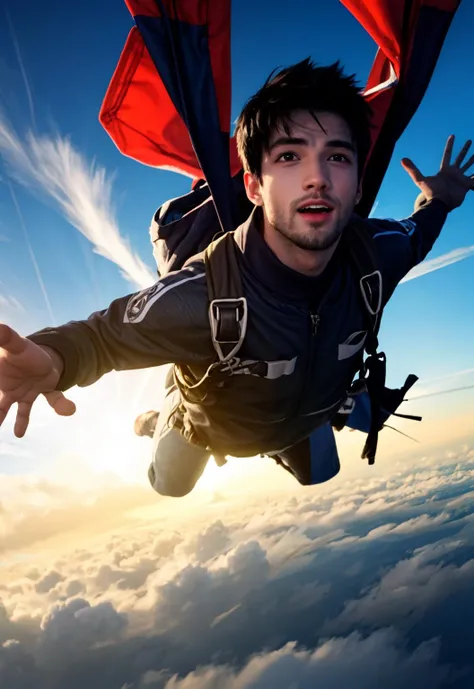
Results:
x,y
450,184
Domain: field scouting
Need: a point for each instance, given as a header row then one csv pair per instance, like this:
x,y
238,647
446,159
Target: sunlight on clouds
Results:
x,y
240,575
379,659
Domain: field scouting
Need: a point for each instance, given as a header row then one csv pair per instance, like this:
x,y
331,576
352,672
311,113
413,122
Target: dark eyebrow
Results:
x,y
300,141
341,143
288,141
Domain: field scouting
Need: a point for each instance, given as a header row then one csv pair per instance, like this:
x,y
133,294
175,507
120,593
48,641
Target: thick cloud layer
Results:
x,y
370,663
358,583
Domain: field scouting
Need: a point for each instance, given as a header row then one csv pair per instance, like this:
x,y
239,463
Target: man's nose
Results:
x,y
316,175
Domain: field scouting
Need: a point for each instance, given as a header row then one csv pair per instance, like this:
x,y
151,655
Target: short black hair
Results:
x,y
303,86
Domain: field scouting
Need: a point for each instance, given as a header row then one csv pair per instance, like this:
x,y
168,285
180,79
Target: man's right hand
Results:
x,y
27,371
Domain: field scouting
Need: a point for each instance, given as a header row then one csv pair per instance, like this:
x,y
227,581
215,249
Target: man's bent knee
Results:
x,y
170,486
177,464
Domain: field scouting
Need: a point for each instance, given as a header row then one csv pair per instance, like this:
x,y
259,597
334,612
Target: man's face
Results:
x,y
311,168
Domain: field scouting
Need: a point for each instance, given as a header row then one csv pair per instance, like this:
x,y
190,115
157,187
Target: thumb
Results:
x,y
412,170
60,404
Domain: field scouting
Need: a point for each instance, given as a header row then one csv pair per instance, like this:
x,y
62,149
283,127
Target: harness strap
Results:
x,y
228,307
228,316
363,254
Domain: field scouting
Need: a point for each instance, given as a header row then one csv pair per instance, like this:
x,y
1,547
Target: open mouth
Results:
x,y
315,211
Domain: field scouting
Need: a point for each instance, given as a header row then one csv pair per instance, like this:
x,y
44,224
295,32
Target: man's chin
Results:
x,y
321,245
318,243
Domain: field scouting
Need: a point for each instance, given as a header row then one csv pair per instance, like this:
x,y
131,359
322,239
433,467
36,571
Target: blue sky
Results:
x,y
56,61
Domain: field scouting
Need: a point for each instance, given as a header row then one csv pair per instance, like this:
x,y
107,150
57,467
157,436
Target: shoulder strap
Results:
x,y
227,303
227,317
362,251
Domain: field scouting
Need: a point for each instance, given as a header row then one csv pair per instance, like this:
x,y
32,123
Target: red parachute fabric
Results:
x,y
139,113
410,35
171,90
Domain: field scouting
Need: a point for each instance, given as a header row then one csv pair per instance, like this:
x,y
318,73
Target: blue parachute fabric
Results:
x,y
324,457
180,53
360,417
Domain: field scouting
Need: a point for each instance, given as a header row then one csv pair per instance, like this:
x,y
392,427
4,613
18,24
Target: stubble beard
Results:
x,y
309,240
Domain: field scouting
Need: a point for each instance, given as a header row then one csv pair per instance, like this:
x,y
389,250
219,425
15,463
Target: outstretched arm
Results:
x,y
403,244
451,183
167,323
163,324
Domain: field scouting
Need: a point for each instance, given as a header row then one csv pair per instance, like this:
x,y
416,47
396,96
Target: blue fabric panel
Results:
x,y
324,457
360,418
180,53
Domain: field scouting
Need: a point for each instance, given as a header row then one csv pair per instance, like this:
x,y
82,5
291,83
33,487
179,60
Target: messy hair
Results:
x,y
302,86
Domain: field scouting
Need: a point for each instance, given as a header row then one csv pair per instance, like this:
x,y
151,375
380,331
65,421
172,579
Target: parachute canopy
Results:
x,y
168,103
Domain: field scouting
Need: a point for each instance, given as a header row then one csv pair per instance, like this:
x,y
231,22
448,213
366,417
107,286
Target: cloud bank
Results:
x,y
324,586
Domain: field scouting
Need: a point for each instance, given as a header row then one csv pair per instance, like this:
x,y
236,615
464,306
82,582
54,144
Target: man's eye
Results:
x,y
287,156
342,157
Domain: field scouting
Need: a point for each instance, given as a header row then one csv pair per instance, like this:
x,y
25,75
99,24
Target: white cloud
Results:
x,y
406,591
209,543
439,262
132,577
361,663
10,303
307,595
421,523
243,586
11,311
48,582
35,509
164,546
82,192
17,667
69,630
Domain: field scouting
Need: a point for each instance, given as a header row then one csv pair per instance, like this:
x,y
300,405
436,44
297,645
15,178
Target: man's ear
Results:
x,y
359,193
253,188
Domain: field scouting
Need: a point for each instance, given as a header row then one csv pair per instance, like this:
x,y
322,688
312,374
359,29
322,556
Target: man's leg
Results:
x,y
145,423
176,465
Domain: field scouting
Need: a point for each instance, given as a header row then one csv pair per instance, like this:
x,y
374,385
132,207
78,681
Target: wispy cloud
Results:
x,y
439,262
81,191
21,65
448,376
32,254
3,238
373,210
7,302
450,382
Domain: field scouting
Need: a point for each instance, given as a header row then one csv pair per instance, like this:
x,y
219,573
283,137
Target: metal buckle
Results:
x,y
364,284
240,320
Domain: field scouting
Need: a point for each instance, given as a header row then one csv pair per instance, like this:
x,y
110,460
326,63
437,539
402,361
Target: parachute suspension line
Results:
x,y
439,392
401,432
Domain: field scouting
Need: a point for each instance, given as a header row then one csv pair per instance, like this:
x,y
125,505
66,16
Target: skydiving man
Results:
x,y
303,140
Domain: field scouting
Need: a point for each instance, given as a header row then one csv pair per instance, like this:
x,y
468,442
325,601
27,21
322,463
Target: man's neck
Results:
x,y
305,261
